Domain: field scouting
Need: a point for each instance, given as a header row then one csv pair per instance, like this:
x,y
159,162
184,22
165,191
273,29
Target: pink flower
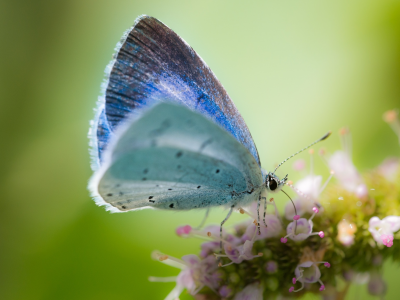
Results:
x,y
301,229
382,230
387,240
194,275
308,272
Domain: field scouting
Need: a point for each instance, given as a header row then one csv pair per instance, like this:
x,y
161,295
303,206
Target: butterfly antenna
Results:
x,y
319,140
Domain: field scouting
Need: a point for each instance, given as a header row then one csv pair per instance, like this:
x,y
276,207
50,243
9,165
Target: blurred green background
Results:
x,y
295,69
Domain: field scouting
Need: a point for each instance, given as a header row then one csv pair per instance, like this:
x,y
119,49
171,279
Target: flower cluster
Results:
x,y
360,213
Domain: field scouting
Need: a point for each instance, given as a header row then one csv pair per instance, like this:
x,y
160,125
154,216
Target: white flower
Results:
x,y
194,275
308,272
382,230
346,232
347,174
389,168
301,228
310,188
253,291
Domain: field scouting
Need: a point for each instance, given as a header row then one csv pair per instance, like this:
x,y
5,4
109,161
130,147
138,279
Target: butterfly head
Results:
x,y
273,183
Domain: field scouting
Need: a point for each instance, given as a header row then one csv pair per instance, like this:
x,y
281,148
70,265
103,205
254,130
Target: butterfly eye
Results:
x,y
273,184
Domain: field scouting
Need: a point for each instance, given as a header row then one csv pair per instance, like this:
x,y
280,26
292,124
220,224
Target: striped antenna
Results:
x,y
321,139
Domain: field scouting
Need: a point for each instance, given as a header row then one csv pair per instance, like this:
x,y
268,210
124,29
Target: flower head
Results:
x,y
300,229
308,272
346,232
383,230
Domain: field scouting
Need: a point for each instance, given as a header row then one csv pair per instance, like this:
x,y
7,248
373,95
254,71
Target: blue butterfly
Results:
x,y
167,135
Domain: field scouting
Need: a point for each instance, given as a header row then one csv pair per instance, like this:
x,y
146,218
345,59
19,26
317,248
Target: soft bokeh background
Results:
x,y
295,70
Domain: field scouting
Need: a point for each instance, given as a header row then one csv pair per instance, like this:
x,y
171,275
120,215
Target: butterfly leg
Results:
x,y
265,210
258,214
220,229
204,219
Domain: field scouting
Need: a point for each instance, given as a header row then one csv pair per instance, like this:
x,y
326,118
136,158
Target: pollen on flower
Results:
x,y
296,217
311,151
321,234
284,240
328,265
315,209
241,210
291,289
390,116
322,288
163,257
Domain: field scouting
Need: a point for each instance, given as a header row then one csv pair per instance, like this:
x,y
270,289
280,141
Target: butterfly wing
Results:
x,y
174,158
153,64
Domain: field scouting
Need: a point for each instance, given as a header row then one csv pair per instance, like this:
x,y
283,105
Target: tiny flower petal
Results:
x,y
387,240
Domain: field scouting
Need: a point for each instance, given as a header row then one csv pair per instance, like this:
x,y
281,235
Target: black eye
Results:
x,y
273,185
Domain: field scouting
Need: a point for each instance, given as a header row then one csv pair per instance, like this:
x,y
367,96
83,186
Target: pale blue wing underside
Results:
x,y
174,158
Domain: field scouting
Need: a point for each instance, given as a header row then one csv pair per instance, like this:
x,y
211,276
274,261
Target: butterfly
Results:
x,y
166,134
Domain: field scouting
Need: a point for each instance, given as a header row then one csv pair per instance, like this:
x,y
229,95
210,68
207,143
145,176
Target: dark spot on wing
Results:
x,y
179,166
123,206
145,171
144,178
199,186
179,154
171,205
151,197
217,171
169,189
109,195
152,201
